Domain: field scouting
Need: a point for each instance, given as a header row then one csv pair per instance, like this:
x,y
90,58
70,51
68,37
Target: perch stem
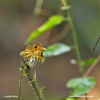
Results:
x,y
35,85
20,85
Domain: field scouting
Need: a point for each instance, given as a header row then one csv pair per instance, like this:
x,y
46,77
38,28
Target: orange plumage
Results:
x,y
32,55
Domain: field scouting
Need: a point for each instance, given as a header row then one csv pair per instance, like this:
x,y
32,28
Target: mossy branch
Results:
x,y
35,84
20,85
27,72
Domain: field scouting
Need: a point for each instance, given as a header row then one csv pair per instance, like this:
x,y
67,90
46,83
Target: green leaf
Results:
x,y
56,49
81,85
86,62
51,22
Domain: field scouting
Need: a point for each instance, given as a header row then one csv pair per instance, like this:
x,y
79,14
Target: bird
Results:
x,y
32,55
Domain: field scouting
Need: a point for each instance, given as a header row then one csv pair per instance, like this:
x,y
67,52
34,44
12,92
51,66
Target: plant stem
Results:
x,y
38,7
74,37
35,85
36,11
92,66
20,85
35,14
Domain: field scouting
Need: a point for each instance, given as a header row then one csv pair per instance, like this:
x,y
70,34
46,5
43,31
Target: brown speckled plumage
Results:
x,y
32,54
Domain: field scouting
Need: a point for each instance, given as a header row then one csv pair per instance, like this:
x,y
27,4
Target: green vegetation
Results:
x,y
80,85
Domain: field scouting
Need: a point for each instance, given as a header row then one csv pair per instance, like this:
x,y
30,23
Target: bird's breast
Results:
x,y
32,62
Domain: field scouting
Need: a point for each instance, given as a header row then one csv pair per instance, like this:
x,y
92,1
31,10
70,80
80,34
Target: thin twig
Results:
x,y
96,44
92,66
74,37
64,3
35,14
20,85
38,7
35,85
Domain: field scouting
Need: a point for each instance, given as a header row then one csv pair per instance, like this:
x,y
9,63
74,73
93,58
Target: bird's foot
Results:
x,y
33,79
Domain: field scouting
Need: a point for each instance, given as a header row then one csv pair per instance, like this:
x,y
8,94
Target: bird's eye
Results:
x,y
35,46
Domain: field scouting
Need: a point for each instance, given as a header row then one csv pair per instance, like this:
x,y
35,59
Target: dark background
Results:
x,y
17,20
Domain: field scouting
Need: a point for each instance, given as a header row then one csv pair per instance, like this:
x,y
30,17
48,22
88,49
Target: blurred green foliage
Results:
x,y
81,85
86,62
51,22
70,98
65,7
86,18
56,49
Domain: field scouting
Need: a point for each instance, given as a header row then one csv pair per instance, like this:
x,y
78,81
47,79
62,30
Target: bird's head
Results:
x,y
35,47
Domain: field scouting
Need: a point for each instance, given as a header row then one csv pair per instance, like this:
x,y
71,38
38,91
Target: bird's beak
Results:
x,y
44,49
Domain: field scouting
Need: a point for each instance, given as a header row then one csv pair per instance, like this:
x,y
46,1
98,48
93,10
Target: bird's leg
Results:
x,y
34,76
